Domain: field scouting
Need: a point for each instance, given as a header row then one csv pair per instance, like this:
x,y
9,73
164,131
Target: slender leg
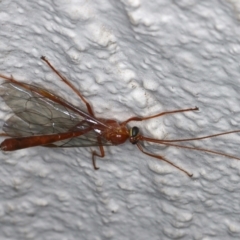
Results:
x,y
162,158
94,153
90,110
158,115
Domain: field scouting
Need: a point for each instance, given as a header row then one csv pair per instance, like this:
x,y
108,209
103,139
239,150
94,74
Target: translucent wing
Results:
x,y
38,115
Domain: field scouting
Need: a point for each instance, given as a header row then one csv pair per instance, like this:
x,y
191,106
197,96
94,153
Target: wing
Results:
x,y
38,115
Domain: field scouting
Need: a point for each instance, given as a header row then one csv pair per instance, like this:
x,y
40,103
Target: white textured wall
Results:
x,y
127,58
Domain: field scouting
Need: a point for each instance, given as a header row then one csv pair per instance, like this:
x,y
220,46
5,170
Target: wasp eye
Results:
x,y
134,131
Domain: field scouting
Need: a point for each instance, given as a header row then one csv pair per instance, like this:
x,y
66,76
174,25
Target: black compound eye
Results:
x,y
134,132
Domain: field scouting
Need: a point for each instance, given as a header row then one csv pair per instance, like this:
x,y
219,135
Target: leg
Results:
x,y
90,111
94,153
157,115
101,154
163,159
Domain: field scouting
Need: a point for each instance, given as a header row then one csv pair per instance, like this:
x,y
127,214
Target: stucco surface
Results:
x,y
127,58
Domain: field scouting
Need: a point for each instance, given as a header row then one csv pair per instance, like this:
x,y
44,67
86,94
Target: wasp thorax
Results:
x,y
118,135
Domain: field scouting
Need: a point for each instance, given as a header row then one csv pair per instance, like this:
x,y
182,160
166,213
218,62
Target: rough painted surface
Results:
x,y
127,58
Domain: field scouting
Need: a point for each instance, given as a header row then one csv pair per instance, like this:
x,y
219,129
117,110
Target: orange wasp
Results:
x,y
41,118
